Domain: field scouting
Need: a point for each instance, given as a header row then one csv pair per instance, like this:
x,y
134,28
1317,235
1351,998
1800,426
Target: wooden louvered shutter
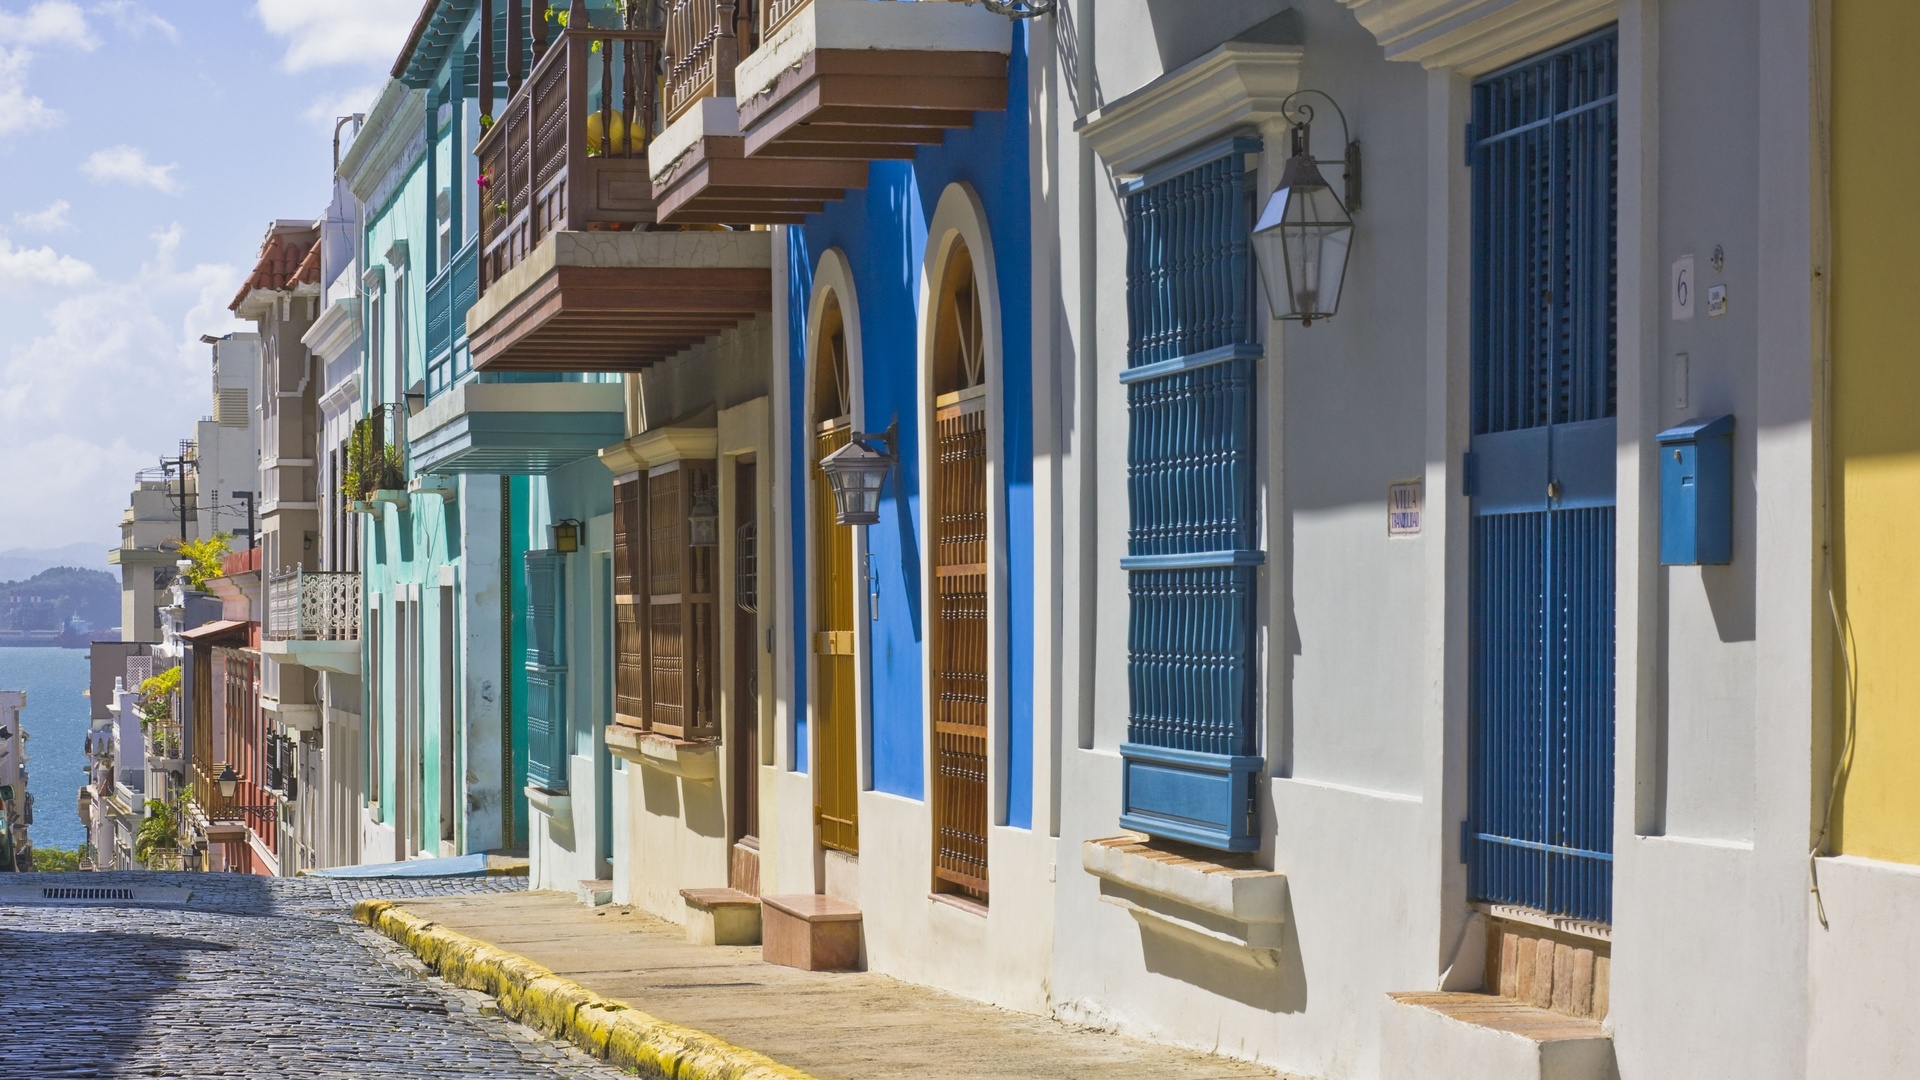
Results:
x,y
680,594
630,602
960,642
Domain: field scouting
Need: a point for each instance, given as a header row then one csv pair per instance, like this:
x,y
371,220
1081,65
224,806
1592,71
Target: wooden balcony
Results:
x,y
702,173
575,275
868,80
569,150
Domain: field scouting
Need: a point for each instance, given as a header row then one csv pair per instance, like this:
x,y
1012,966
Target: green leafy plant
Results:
x,y
486,121
55,859
159,832
371,464
156,698
205,557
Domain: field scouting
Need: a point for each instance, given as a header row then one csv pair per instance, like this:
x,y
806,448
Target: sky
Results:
x,y
145,148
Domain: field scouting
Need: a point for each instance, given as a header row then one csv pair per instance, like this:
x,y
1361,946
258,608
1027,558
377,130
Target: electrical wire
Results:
x,y
1842,627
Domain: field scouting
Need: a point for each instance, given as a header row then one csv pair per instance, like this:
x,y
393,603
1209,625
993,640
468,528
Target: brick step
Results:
x,y
722,917
810,932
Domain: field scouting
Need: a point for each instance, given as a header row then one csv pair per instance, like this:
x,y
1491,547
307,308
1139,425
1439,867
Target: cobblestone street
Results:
x,y
253,978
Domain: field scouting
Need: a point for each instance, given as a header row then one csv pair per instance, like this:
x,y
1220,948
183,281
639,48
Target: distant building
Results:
x,y
16,802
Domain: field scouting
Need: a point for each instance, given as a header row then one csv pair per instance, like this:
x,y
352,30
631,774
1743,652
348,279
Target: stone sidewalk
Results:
x,y
828,1025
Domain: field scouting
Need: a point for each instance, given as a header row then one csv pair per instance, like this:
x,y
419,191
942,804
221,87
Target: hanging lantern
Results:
x,y
228,780
856,472
703,518
1304,235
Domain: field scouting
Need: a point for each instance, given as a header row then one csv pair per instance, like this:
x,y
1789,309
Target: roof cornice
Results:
x,y
398,118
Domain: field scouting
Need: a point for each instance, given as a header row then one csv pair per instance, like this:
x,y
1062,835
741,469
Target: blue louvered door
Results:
x,y
1540,476
1193,557
548,748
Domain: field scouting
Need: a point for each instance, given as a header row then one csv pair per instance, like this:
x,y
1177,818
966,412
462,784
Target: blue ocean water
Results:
x,y
56,720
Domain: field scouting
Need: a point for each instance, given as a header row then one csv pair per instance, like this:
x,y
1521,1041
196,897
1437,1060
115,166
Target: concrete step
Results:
x,y
596,892
722,917
810,932
1445,1035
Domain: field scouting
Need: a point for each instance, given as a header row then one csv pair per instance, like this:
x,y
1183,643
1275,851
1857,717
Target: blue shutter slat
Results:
x,y
1192,744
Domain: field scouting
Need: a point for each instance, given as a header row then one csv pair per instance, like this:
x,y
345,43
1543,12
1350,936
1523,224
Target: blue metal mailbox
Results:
x,y
1696,492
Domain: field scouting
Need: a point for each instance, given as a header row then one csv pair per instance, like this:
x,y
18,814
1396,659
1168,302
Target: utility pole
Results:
x,y
180,500
248,495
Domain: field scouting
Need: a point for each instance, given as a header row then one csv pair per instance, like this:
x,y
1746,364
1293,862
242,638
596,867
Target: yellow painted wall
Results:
x,y
1876,414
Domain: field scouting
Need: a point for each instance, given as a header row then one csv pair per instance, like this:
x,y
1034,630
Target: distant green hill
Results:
x,y
48,599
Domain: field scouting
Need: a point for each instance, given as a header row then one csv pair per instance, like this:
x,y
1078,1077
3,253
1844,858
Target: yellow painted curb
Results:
x,y
563,1008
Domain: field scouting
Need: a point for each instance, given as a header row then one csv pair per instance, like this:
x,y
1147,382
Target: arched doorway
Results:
x,y
836,742
960,647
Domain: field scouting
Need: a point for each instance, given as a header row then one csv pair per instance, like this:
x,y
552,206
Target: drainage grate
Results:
x,y
51,892
156,896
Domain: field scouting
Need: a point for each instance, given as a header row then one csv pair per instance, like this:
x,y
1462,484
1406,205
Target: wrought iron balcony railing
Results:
x,y
312,605
569,150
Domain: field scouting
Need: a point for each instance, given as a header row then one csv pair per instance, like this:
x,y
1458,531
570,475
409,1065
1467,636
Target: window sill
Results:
x,y
556,805
1222,904
959,903
696,761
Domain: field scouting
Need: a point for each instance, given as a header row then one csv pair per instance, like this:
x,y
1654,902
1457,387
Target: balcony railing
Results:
x,y
449,296
569,151
703,47
163,741
311,605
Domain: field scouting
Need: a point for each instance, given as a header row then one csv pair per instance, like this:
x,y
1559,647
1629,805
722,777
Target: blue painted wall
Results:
x,y
883,231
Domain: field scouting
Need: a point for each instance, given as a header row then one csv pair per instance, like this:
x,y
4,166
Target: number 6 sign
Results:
x,y
1683,288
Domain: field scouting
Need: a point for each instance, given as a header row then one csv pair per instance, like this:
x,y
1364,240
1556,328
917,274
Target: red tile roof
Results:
x,y
282,263
308,272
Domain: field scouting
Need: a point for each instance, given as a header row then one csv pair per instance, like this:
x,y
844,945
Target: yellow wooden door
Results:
x,y
836,771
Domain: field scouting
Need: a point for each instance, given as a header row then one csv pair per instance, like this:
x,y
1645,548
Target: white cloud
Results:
x,y
40,266
52,219
50,22
325,111
19,110
125,164
353,32
136,19
115,375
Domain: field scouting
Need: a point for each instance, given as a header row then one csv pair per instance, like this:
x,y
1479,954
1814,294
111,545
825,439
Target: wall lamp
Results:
x,y
1019,9
1305,231
856,471
566,535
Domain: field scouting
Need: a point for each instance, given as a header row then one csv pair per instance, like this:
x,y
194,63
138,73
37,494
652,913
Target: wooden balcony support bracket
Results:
x,y
862,81
702,174
606,301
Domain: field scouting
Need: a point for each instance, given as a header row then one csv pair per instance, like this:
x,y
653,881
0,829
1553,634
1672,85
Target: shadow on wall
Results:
x,y
1190,956
1184,38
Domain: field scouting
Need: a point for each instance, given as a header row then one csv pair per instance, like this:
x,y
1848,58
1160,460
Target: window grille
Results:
x,y
1192,746
547,744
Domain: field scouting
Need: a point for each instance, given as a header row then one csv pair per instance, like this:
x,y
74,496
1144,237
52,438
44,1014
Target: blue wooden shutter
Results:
x,y
1192,562
547,743
1543,146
